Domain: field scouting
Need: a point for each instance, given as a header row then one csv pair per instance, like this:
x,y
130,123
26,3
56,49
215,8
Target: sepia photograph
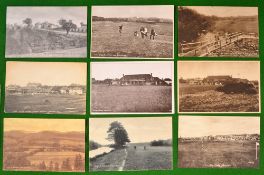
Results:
x,y
218,142
45,87
122,144
218,31
44,145
145,31
132,87
46,32
218,86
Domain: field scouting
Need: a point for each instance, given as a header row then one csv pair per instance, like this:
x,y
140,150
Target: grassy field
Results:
x,y
66,104
107,42
199,98
131,98
27,42
153,158
210,154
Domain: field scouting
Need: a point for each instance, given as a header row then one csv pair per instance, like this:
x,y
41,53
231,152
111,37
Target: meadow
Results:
x,y
52,103
27,42
107,42
106,98
152,158
203,98
217,154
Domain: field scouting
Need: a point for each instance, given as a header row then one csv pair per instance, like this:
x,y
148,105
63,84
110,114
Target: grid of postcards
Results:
x,y
131,75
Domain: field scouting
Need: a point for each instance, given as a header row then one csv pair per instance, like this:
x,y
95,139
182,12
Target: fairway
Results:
x,y
131,98
52,103
107,42
219,154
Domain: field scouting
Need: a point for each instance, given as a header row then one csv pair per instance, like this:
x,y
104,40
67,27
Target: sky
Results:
x,y
225,11
143,129
37,125
161,11
103,70
237,69
46,73
197,126
50,14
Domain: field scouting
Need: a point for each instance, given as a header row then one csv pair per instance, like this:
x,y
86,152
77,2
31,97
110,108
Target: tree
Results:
x,y
118,134
56,166
67,25
42,166
51,167
28,21
66,165
78,162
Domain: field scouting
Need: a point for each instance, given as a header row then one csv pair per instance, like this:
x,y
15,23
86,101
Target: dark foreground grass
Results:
x,y
131,98
232,154
53,103
153,158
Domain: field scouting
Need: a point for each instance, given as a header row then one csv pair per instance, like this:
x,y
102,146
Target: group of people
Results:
x,y
143,32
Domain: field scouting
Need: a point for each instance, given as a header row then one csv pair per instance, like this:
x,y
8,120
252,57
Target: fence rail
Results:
x,y
204,48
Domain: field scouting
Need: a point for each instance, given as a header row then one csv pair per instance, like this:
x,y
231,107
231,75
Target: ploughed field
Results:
x,y
131,98
52,103
204,98
107,42
27,42
217,154
153,158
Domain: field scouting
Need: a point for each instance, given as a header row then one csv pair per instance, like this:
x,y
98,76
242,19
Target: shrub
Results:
x,y
237,88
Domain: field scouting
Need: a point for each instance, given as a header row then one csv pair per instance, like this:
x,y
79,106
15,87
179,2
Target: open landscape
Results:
x,y
30,88
129,34
218,87
131,155
208,31
218,142
145,87
30,34
33,149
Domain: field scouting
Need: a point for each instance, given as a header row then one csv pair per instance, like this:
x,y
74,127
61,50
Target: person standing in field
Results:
x,y
152,34
120,28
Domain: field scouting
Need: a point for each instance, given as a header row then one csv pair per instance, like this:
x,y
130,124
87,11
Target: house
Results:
x,y
218,80
168,81
137,79
76,90
64,90
83,28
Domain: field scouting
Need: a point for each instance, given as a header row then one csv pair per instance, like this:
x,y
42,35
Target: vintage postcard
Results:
x,y
46,32
132,87
121,144
218,142
44,145
132,31
45,87
218,86
215,31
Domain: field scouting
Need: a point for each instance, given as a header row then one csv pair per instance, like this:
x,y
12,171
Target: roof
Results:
x,y
219,77
167,79
137,76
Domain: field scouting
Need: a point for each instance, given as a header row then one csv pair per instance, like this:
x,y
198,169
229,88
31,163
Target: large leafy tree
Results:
x,y
118,134
27,21
67,25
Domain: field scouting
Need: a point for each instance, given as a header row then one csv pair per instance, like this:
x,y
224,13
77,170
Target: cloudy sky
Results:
x,y
46,73
237,69
160,11
103,70
50,14
225,11
37,125
142,129
196,126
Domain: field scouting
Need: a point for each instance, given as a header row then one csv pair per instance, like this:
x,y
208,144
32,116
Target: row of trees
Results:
x,y
132,19
66,25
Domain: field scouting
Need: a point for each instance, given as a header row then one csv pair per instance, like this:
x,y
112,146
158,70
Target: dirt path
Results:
x,y
121,168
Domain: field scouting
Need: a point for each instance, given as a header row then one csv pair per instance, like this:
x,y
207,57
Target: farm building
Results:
x,y
218,80
141,79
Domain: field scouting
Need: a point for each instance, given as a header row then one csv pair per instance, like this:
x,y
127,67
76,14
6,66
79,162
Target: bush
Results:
x,y
237,88
93,145
160,143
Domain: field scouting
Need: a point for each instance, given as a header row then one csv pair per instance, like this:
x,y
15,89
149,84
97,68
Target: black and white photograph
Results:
x,y
218,142
130,144
132,87
145,31
218,86
218,31
45,87
54,145
40,32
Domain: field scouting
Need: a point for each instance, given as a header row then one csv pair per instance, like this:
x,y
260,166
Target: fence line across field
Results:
x,y
203,48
